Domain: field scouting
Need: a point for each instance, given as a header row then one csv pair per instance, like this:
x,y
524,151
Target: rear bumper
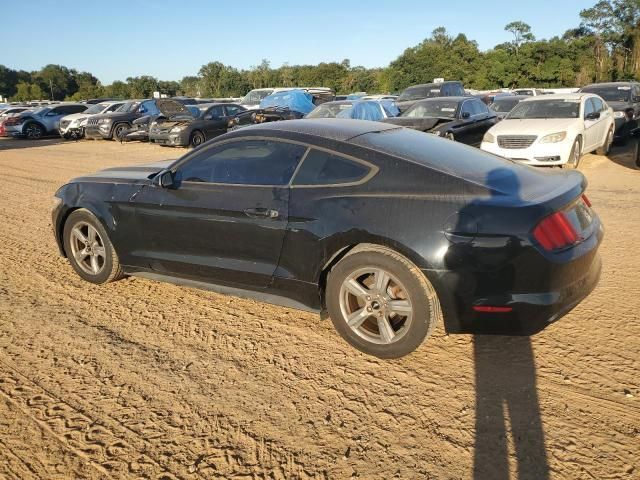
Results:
x,y
539,289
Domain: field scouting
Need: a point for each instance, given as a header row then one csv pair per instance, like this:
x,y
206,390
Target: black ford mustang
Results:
x,y
387,228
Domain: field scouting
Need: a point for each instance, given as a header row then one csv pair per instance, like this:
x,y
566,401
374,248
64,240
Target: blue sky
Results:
x,y
115,39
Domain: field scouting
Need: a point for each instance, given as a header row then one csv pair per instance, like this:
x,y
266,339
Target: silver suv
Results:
x,y
41,121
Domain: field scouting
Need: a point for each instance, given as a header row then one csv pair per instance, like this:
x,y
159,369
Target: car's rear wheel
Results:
x,y
574,156
606,147
380,302
196,139
33,131
89,250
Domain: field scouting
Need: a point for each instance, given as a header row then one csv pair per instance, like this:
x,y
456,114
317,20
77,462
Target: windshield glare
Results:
x,y
611,94
545,109
442,108
128,107
254,97
97,108
417,93
329,110
504,105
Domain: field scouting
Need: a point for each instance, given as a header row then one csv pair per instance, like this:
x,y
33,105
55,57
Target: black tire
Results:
x,y
33,130
425,306
111,269
196,139
575,155
117,131
606,148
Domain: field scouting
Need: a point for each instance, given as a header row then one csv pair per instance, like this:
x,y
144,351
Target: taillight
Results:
x,y
555,232
586,200
14,121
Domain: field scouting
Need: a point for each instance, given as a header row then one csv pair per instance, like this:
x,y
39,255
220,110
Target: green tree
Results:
x,y
521,33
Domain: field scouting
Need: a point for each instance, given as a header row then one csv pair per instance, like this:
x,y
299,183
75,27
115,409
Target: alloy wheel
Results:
x,y
87,248
375,305
33,131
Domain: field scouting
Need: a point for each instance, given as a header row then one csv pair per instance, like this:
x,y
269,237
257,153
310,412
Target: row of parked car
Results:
x,y
525,125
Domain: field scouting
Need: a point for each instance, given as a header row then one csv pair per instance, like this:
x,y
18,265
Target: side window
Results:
x,y
322,168
247,162
113,107
149,108
216,112
75,108
597,104
588,107
458,90
478,108
466,108
232,110
636,93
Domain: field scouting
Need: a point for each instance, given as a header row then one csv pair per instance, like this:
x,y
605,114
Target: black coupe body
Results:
x,y
386,228
464,119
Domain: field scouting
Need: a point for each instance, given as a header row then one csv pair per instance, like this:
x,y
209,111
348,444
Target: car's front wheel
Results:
x,y
196,139
118,131
33,131
89,250
380,302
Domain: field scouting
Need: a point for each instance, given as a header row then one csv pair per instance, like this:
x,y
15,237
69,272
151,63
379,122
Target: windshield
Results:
x,y
611,94
128,107
329,110
417,93
439,108
255,96
556,108
97,108
504,105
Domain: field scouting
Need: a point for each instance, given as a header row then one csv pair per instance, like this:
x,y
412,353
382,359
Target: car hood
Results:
x,y
131,174
619,106
170,108
418,123
75,116
535,126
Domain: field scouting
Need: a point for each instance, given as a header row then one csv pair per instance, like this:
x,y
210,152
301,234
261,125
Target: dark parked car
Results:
x,y
112,125
504,104
180,128
282,105
624,99
388,229
169,110
464,119
411,95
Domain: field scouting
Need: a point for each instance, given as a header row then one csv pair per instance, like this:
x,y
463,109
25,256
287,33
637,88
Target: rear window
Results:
x,y
426,149
323,168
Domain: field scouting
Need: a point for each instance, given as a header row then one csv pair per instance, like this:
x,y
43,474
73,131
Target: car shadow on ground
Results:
x,y
626,155
507,410
15,143
508,420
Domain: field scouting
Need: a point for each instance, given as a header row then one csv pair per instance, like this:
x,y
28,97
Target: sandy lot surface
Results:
x,y
138,379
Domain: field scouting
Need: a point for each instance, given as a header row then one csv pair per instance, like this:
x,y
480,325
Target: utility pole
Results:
x,y
51,88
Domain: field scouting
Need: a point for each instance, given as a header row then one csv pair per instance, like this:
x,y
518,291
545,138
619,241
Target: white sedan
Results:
x,y
551,130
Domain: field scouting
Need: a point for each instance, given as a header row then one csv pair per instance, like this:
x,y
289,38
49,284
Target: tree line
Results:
x,y
605,46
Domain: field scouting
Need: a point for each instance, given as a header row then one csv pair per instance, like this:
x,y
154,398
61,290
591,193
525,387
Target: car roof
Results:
x,y
609,84
559,96
339,129
458,98
433,83
515,97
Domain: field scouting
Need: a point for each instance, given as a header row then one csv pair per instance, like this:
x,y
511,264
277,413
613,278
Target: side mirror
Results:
x,y
165,179
466,114
592,116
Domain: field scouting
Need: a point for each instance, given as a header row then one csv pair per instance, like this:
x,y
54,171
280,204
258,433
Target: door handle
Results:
x,y
261,213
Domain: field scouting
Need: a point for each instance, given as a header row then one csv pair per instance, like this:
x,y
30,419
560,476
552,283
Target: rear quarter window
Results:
x,y
323,168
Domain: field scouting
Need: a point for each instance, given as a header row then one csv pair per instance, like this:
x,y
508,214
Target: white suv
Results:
x,y
551,130
72,126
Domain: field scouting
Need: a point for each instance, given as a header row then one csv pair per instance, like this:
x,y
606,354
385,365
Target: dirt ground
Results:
x,y
138,379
